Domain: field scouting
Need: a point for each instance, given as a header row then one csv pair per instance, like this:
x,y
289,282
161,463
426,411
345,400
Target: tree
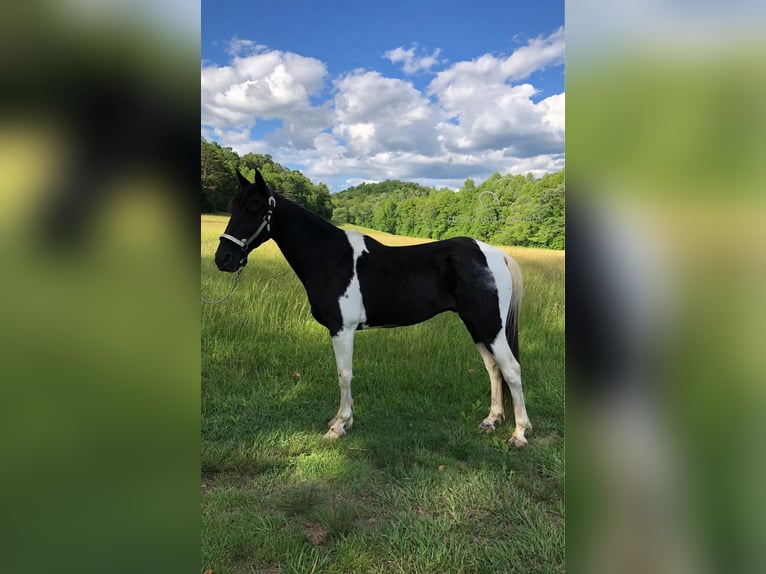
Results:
x,y
218,181
384,218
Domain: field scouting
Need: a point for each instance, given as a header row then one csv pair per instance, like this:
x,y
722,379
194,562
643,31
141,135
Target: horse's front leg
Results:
x,y
343,345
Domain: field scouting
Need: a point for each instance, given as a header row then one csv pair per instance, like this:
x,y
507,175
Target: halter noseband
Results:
x,y
245,242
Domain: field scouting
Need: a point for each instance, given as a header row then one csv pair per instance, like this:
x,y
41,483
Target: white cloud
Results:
x,y
487,111
238,46
553,113
375,114
265,85
412,64
474,118
538,54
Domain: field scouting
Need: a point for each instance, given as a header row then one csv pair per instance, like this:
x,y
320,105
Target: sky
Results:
x,y
348,91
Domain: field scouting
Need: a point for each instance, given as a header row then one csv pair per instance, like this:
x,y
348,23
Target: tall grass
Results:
x,y
414,486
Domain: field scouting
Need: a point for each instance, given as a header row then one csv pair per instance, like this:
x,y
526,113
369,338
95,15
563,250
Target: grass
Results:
x,y
414,486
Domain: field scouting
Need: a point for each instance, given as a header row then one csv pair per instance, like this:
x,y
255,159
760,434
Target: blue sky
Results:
x,y
351,91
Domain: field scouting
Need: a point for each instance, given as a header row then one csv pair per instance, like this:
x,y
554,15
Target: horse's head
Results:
x,y
249,225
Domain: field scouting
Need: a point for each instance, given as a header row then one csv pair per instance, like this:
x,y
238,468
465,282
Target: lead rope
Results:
x,y
222,299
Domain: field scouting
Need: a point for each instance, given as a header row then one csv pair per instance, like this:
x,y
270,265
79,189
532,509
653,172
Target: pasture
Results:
x,y
415,486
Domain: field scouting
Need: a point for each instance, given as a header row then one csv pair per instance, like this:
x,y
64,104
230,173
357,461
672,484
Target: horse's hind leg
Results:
x,y
343,345
511,371
496,412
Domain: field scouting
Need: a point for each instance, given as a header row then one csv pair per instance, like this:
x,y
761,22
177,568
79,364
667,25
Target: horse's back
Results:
x,y
407,285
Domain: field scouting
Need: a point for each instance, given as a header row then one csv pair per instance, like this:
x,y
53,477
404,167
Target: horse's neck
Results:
x,y
305,239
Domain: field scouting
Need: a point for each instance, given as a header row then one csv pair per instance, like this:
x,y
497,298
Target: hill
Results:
x,y
503,210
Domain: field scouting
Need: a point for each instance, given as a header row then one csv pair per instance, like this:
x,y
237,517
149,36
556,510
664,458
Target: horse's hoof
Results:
x,y
344,424
487,426
517,441
338,428
334,434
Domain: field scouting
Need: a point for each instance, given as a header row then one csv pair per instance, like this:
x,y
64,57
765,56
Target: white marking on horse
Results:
x,y
502,276
511,371
499,358
343,345
496,411
351,304
353,314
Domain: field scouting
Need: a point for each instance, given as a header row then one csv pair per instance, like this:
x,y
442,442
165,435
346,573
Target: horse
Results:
x,y
354,282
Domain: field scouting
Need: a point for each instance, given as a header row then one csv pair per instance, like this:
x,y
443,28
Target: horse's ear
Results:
x,y
260,183
243,183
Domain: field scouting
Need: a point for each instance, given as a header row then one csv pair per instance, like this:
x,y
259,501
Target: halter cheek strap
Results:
x,y
245,243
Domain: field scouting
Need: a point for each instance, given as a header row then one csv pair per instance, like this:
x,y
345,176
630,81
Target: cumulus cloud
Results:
x,y
538,54
374,114
475,117
487,111
412,64
265,85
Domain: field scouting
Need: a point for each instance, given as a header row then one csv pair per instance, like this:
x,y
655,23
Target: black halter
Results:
x,y
244,243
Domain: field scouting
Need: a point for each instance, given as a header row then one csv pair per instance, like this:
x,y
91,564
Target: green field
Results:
x,y
414,486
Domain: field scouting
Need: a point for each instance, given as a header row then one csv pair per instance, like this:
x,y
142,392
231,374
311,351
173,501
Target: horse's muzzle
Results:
x,y
230,262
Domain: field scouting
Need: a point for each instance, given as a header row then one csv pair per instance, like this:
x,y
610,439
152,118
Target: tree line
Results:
x,y
503,210
218,180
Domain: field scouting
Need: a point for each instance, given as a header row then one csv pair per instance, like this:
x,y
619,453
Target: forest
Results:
x,y
515,210
218,180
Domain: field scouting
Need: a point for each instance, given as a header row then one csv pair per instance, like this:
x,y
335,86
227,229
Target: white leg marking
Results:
x,y
511,370
352,313
501,352
496,412
343,345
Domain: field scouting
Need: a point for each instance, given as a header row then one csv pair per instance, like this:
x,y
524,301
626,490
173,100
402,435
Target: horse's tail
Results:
x,y
512,321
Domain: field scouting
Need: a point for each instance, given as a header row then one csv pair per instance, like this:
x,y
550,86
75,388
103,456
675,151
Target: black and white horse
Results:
x,y
354,282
